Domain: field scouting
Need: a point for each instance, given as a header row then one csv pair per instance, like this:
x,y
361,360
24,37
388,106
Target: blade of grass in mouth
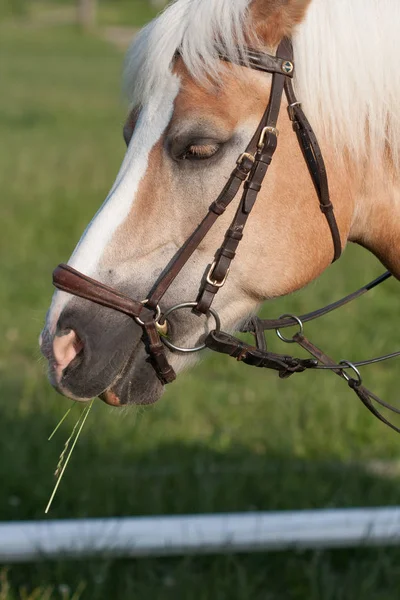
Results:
x,y
57,427
60,470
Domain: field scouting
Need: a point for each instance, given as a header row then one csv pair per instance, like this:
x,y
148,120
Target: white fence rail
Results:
x,y
160,536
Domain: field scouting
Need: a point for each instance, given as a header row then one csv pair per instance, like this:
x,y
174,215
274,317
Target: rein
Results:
x,y
249,173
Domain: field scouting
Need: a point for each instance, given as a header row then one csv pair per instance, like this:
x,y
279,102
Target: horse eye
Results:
x,y
199,152
127,133
130,125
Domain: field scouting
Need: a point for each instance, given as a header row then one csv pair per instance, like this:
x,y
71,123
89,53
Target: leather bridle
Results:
x,y
249,174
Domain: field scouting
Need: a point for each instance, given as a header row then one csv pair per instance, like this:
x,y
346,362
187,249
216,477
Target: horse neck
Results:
x,y
376,219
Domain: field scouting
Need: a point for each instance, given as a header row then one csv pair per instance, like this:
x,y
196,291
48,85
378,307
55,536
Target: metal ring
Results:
x,y
350,365
282,337
157,315
172,346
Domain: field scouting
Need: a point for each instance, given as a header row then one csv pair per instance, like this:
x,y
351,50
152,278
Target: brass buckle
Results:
x,y
162,328
261,141
214,282
243,156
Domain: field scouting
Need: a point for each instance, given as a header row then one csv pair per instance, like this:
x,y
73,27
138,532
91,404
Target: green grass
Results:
x,y
126,13
224,437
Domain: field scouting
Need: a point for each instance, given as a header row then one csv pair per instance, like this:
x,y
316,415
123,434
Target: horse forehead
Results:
x,y
238,94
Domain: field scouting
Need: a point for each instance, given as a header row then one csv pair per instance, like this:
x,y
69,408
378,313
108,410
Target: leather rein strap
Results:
x,y
249,173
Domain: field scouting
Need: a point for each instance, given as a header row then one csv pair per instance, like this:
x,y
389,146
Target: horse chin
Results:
x,y
136,384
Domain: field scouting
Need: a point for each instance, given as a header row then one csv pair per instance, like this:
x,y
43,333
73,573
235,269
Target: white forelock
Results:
x,y
346,53
198,29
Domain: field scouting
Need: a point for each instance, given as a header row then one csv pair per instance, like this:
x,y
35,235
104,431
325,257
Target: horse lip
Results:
x,y
110,398
65,392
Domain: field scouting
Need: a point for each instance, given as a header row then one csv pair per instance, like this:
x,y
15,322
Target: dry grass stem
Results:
x,y
59,473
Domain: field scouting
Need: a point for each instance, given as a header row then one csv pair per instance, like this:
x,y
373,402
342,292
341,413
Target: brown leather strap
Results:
x,y
271,324
156,351
245,165
365,395
260,61
216,209
234,234
69,280
224,343
263,157
287,365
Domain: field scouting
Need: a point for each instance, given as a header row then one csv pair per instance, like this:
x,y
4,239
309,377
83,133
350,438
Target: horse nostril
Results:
x,y
66,346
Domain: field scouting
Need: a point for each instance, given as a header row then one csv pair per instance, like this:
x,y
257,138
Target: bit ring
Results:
x,y
350,365
172,346
290,340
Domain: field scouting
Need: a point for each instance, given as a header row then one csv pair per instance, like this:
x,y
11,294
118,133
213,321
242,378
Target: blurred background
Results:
x,y
224,437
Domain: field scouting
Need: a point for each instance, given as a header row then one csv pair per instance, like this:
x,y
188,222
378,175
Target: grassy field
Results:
x,y
109,12
253,442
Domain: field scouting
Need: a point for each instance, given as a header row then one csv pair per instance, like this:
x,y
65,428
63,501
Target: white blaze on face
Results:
x,y
153,120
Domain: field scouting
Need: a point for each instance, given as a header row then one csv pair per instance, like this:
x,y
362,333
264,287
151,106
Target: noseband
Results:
x,y
249,173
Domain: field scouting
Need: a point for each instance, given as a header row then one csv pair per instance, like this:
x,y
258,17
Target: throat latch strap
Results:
x,y
315,162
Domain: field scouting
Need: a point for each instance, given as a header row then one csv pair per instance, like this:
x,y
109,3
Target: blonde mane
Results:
x,y
193,27
346,54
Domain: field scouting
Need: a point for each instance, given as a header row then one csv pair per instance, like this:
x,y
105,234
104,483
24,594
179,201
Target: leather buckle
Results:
x,y
268,129
290,110
245,156
215,282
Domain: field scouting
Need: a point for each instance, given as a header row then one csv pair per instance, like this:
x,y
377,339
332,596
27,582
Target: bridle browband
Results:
x,y
249,173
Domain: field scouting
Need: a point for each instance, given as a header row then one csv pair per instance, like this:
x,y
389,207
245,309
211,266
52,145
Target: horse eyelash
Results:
x,y
200,152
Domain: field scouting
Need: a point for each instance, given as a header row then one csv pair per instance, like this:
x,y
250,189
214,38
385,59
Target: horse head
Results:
x,y
195,106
